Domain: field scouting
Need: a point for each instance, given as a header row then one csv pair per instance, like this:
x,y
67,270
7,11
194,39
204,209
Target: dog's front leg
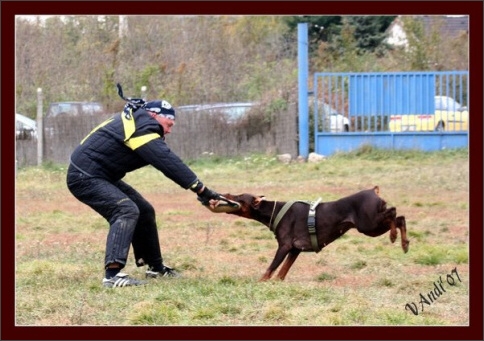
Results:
x,y
291,257
389,217
281,253
402,225
267,275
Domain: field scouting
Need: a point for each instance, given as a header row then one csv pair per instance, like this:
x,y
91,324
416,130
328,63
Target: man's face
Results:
x,y
165,122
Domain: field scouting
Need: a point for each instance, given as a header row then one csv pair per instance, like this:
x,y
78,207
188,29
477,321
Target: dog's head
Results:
x,y
247,203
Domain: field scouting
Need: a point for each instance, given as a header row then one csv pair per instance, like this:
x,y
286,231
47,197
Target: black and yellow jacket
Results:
x,y
127,142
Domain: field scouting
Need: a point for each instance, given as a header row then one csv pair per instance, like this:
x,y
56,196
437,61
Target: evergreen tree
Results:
x,y
369,31
320,28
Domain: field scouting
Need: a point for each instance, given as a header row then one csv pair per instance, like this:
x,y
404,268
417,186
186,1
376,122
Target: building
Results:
x,y
451,26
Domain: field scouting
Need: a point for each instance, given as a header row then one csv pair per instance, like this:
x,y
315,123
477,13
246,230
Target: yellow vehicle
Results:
x,y
449,116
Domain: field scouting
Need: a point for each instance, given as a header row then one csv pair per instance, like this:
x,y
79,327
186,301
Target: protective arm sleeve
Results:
x,y
158,154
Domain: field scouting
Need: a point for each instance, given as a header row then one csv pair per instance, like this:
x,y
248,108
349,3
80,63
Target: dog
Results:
x,y
303,226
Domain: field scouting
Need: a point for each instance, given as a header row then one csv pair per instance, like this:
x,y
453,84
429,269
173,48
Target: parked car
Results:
x,y
74,108
60,115
332,121
338,123
230,111
449,115
25,128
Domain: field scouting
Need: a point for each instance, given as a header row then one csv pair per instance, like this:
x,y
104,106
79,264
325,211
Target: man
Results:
x,y
128,141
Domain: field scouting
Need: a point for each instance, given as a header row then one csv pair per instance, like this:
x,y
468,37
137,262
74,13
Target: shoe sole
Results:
x,y
152,276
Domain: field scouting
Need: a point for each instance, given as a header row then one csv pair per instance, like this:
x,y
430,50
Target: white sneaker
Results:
x,y
166,272
121,280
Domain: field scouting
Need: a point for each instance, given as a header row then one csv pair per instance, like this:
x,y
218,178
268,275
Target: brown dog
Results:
x,y
297,230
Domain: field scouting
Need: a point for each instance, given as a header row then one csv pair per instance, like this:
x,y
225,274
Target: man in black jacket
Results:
x,y
128,141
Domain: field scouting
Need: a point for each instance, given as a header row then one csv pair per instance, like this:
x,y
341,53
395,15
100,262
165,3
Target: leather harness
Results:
x,y
311,220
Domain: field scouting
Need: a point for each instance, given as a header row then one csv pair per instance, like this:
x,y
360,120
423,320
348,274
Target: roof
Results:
x,y
26,120
449,26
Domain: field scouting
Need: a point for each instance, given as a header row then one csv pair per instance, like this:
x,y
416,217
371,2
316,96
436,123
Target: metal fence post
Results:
x,y
40,128
302,30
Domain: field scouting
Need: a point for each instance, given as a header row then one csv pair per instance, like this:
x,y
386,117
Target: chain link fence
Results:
x,y
195,134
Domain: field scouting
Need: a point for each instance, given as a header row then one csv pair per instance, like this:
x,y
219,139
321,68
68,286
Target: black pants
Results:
x,y
131,218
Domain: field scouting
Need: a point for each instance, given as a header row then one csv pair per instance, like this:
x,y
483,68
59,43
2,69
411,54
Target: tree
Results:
x,y
320,28
203,59
369,31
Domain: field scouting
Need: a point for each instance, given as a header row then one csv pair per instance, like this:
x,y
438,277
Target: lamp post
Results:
x,y
143,92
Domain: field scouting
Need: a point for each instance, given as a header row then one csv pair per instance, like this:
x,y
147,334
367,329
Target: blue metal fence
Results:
x,y
399,110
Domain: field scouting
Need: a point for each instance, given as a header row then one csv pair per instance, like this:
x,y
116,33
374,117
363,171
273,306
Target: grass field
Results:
x,y
355,281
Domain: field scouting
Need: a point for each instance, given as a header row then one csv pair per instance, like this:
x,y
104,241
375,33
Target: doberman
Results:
x,y
299,226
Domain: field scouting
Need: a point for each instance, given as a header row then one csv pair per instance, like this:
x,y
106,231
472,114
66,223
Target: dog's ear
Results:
x,y
257,200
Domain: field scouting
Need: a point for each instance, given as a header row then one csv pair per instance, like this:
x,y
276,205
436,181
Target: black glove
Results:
x,y
206,195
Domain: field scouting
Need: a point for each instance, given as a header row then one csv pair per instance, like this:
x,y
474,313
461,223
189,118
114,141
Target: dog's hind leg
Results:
x,y
281,253
291,257
402,225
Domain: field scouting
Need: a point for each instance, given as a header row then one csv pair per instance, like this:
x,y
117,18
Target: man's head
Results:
x,y
163,112
160,107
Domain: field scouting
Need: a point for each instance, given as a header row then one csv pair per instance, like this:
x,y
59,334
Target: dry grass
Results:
x,y
355,281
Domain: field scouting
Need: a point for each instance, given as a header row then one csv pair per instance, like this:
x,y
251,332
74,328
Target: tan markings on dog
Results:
x,y
258,200
365,211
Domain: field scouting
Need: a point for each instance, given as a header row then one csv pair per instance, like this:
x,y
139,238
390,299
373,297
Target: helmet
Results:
x,y
160,107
